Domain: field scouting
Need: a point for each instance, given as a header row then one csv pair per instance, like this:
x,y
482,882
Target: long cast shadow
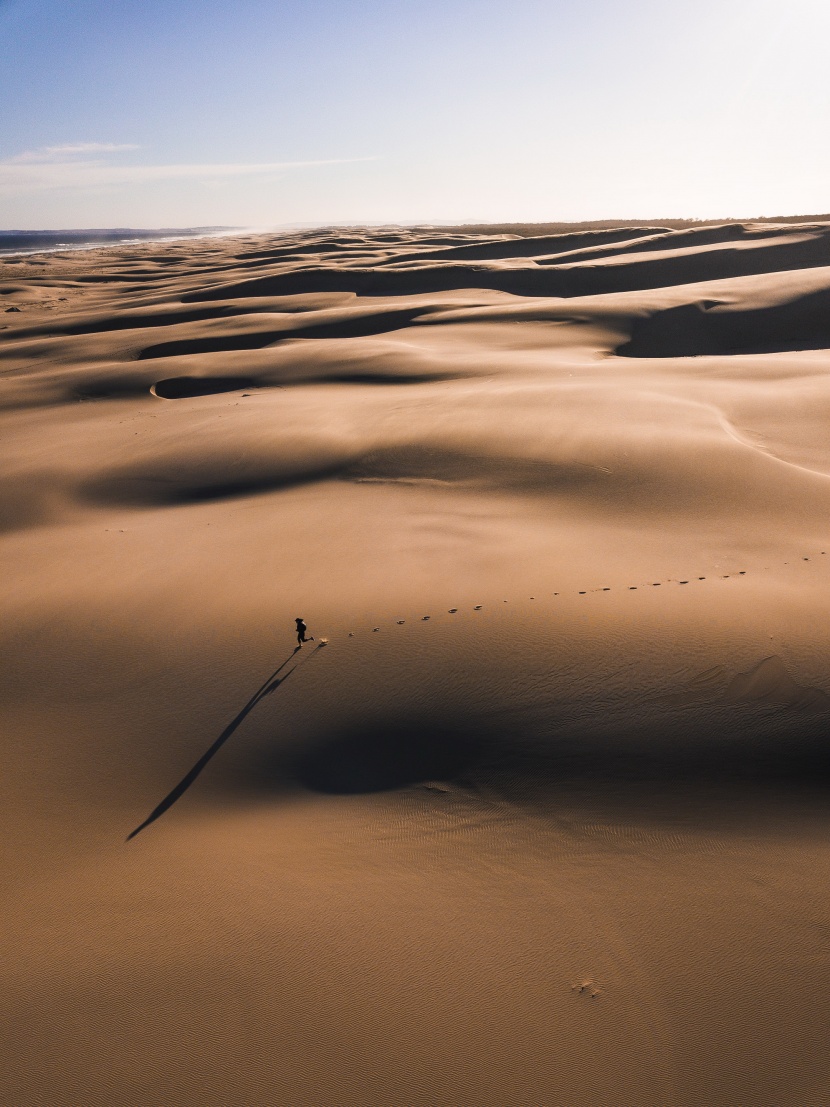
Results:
x,y
273,682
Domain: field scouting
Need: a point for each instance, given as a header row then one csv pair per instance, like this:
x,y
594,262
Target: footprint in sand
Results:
x,y
425,619
587,987
453,610
477,607
401,622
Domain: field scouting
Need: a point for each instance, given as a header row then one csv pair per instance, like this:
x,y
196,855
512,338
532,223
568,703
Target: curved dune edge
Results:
x,y
542,820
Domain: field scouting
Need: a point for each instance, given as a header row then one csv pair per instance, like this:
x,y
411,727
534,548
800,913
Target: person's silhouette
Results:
x,y
301,629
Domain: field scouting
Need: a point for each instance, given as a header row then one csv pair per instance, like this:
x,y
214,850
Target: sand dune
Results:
x,y
543,820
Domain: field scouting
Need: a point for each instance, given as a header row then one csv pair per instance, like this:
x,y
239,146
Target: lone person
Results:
x,y
301,629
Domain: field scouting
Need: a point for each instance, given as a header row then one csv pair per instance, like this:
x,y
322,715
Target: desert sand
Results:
x,y
544,819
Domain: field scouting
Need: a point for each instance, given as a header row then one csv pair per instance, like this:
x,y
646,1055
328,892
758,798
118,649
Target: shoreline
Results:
x,y
147,237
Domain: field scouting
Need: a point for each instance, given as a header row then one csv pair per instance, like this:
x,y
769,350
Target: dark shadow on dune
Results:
x,y
109,388
171,484
270,685
172,488
111,278
542,246
731,258
779,751
757,730
220,343
368,377
103,323
321,246
378,756
33,502
710,328
179,388
656,240
713,767
357,326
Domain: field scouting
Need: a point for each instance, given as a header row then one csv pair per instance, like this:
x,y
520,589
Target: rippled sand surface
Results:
x,y
540,815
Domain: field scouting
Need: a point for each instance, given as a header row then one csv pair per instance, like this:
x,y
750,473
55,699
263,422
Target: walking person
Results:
x,y
301,632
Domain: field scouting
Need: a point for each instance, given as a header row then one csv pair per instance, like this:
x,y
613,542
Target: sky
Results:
x,y
267,113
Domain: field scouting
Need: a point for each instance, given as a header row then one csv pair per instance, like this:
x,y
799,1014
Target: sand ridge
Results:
x,y
545,820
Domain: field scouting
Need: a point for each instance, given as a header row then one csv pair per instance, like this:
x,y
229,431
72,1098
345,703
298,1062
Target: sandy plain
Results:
x,y
545,821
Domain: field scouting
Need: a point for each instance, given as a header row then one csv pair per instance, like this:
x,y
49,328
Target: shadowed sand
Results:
x,y
546,822
271,684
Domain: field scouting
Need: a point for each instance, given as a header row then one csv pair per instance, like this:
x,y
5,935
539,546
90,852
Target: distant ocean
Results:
x,y
37,242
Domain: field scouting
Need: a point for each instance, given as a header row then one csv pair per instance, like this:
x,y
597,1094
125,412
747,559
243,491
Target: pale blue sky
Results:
x,y
149,113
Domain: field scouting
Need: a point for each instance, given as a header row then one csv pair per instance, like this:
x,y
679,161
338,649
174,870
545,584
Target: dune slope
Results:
x,y
540,815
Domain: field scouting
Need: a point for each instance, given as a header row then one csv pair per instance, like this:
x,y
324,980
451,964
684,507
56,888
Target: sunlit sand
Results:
x,y
539,817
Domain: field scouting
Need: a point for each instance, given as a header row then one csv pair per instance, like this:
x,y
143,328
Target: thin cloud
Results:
x,y
66,169
66,150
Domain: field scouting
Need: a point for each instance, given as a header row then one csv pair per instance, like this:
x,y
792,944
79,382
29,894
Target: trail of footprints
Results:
x,y
589,987
587,591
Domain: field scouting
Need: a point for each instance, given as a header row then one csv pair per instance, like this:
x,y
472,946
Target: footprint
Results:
x,y
453,610
425,619
582,593
351,634
632,588
587,987
375,630
606,589
477,607
656,584
682,582
401,622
